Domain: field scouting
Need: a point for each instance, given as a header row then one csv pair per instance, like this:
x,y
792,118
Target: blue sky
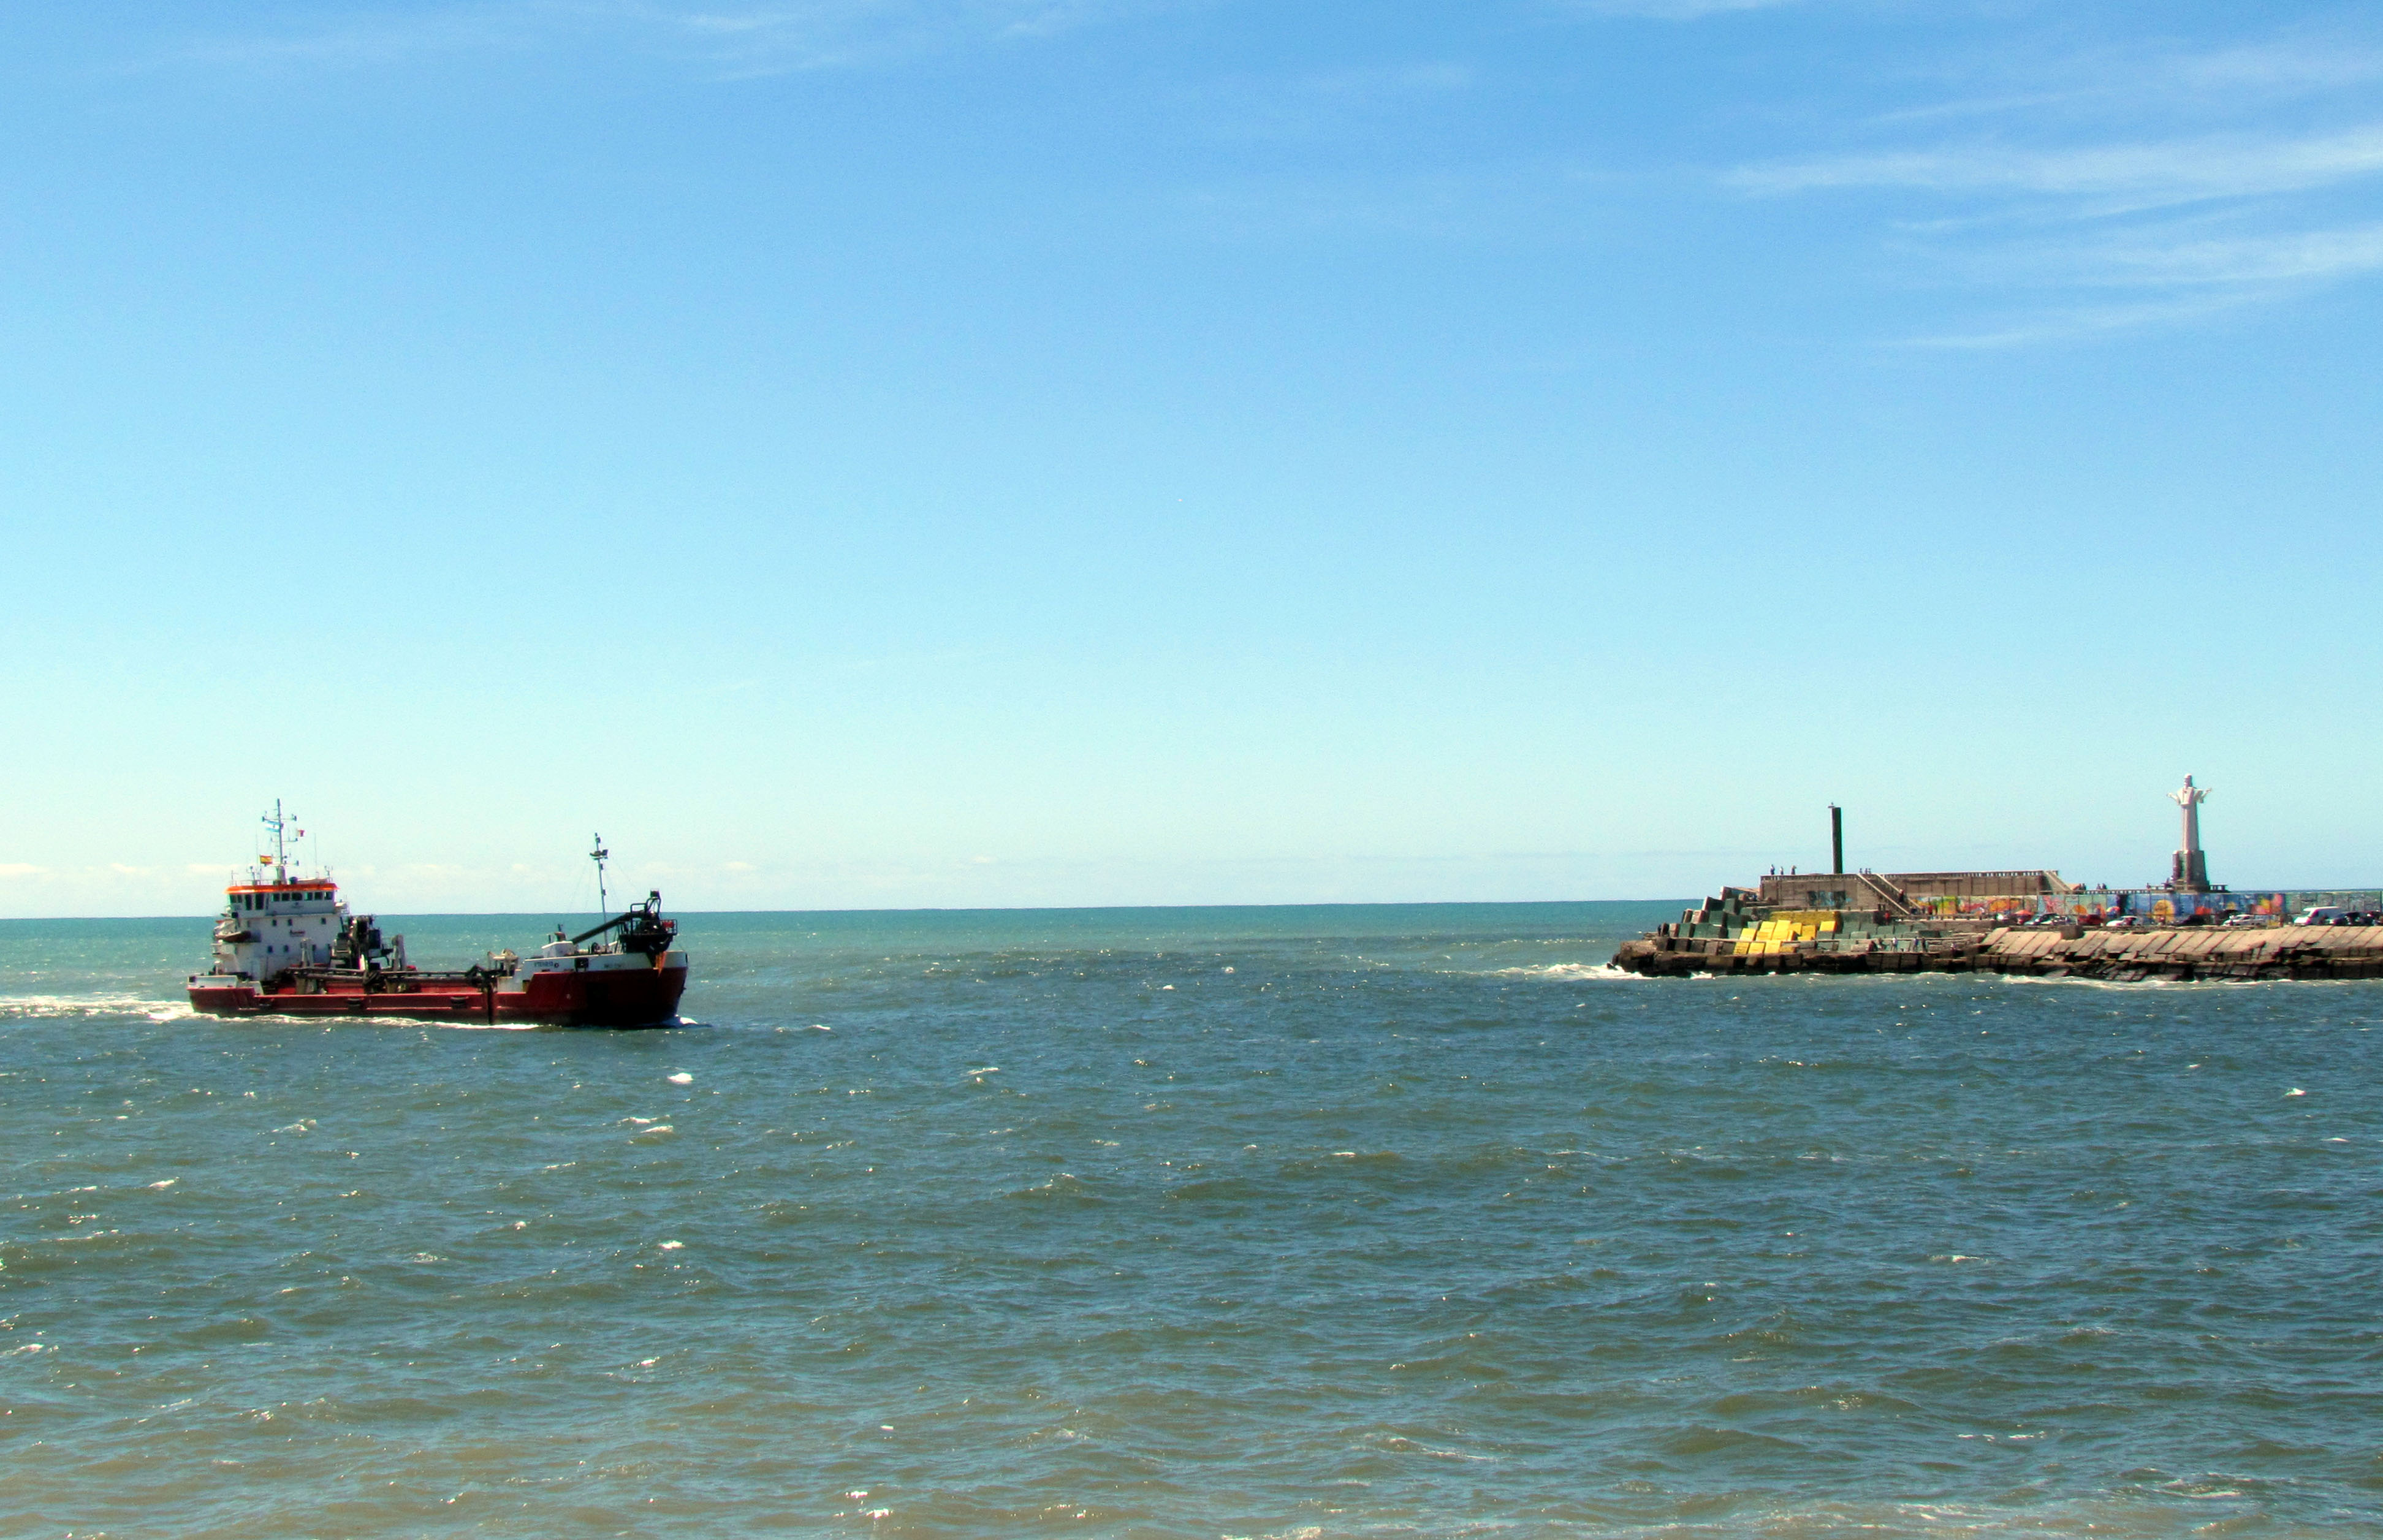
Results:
x,y
944,452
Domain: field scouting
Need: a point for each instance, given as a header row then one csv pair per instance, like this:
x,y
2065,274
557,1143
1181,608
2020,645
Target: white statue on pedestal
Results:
x,y
2190,871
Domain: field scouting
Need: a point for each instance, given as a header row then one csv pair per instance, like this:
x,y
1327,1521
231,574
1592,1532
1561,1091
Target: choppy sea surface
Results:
x,y
1285,1222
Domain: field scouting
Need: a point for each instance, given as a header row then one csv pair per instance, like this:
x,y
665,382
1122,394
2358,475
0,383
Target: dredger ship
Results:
x,y
288,945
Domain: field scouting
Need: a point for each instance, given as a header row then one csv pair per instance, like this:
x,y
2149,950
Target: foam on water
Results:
x,y
84,1007
1570,973
1407,1224
70,1008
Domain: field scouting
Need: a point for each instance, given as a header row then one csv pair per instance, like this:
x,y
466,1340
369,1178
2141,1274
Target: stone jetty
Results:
x,y
2189,951
1731,936
2031,922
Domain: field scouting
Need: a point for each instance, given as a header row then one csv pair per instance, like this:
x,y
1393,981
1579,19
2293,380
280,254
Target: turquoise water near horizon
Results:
x,y
1397,1220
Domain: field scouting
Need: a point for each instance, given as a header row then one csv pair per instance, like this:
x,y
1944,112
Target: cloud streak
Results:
x,y
1673,10
2070,323
1331,101
2249,80
782,36
2285,257
812,35
2058,193
2116,176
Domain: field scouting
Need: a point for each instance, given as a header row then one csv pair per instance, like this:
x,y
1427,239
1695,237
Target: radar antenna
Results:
x,y
600,855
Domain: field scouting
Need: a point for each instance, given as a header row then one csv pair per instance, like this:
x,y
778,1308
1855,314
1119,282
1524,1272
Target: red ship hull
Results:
x,y
611,997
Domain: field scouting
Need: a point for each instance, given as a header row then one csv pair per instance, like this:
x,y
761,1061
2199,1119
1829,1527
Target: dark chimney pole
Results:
x,y
1837,836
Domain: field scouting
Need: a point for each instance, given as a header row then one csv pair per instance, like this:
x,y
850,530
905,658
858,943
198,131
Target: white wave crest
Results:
x,y
2070,981
295,1018
1567,973
69,1007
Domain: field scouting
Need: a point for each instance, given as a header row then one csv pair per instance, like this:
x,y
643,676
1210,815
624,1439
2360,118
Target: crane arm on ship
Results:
x,y
647,931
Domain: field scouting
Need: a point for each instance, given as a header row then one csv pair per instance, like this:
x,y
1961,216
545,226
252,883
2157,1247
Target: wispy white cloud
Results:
x,y
2245,81
1671,10
2116,176
352,40
1369,85
1326,101
2090,196
1459,205
2280,257
2283,64
752,37
2069,323
810,34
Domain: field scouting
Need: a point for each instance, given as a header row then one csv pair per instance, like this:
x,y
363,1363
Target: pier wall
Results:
x,y
1945,891
2181,954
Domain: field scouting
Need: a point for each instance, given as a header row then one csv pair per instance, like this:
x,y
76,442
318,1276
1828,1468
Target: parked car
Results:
x,y
2324,914
2249,922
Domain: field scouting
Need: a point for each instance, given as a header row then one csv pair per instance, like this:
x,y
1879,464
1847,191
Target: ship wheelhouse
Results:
x,y
275,922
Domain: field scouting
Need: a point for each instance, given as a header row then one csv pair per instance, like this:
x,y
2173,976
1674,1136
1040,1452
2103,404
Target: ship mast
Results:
x,y
599,856
280,859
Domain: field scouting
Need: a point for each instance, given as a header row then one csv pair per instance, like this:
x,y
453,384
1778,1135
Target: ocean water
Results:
x,y
1305,1222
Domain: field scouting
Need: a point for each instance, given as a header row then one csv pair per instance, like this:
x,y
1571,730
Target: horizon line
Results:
x,y
933,910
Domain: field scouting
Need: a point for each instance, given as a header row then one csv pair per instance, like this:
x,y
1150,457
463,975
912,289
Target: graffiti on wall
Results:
x,y
2157,905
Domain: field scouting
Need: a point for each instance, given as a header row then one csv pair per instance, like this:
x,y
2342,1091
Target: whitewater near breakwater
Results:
x,y
1324,1222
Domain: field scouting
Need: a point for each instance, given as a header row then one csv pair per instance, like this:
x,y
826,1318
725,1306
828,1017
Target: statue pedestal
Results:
x,y
2189,872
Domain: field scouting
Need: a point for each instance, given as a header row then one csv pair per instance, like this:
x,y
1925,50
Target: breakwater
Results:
x,y
1731,935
